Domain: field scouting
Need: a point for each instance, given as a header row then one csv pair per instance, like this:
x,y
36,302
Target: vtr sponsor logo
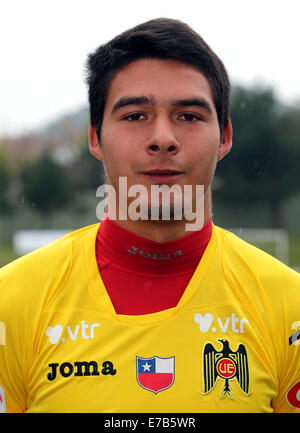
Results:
x,y
206,321
56,334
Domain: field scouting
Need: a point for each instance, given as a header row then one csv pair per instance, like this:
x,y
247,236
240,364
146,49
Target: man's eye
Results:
x,y
189,117
134,116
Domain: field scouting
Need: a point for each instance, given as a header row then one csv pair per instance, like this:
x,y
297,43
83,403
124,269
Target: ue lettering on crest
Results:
x,y
155,374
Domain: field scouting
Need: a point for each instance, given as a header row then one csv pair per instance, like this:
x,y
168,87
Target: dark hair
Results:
x,y
161,38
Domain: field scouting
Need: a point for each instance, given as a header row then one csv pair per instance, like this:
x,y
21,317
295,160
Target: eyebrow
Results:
x,y
133,100
150,100
198,102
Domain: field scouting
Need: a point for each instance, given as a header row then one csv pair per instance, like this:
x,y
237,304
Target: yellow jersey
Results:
x,y
230,345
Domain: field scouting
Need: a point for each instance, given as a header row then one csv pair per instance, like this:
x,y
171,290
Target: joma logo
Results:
x,y
154,256
83,368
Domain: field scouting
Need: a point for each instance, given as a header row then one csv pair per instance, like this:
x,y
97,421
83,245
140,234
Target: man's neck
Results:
x,y
164,231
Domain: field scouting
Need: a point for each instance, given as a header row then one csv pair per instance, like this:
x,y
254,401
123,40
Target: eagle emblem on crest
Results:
x,y
226,365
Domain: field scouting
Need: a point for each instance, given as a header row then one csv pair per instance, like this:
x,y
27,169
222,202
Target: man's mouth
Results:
x,y
163,175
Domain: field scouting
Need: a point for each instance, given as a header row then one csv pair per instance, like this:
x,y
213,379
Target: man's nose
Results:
x,y
163,138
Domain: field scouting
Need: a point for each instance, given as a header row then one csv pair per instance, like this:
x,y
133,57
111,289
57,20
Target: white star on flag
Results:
x,y
146,366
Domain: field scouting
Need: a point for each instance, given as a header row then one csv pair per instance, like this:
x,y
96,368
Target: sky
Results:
x,y
44,45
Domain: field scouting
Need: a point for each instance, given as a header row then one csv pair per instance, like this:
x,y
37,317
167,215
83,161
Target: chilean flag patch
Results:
x,y
155,374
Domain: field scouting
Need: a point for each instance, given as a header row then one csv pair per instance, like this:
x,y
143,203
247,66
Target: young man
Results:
x,y
141,315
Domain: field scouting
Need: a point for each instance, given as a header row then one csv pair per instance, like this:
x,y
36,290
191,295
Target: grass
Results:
x,y
295,250
7,254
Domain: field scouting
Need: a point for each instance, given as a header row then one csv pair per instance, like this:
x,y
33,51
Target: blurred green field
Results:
x,y
7,253
294,250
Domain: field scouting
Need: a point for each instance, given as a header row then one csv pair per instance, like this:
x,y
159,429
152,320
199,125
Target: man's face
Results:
x,y
160,126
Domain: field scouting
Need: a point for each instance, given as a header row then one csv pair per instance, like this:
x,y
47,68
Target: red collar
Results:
x,y
134,253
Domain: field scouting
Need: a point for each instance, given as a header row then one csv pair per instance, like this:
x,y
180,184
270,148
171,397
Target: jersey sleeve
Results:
x,y
12,385
288,398
274,289
26,285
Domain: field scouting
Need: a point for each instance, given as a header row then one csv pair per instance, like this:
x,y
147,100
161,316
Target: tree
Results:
x,y
46,185
5,185
263,166
87,173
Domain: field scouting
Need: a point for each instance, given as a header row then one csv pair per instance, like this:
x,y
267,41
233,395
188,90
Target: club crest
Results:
x,y
155,374
227,365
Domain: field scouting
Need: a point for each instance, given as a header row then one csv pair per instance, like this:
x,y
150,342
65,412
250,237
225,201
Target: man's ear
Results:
x,y
226,142
94,144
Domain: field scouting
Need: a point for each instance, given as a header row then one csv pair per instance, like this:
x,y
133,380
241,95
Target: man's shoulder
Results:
x,y
51,262
242,258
